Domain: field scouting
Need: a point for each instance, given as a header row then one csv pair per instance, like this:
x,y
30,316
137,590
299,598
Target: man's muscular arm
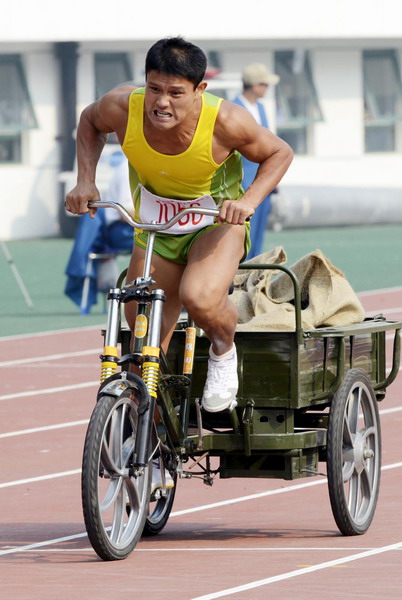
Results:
x,y
237,130
107,114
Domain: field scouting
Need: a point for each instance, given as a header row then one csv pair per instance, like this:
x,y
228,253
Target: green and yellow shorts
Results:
x,y
176,247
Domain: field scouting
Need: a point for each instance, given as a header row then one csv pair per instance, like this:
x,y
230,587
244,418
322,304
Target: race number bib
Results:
x,y
159,209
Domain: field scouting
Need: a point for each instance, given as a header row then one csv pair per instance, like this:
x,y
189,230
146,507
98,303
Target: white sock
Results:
x,y
225,356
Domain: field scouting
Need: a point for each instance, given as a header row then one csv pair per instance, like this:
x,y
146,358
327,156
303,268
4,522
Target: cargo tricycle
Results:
x,y
305,398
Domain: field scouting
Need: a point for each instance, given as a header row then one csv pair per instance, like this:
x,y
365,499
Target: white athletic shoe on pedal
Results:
x,y
157,482
222,382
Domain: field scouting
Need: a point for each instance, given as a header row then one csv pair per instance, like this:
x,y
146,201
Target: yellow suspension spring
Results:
x,y
150,376
108,367
150,369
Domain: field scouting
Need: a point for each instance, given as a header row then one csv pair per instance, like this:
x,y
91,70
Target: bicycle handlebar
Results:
x,y
212,212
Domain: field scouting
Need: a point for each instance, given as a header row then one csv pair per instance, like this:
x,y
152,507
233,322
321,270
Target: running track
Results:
x,y
240,539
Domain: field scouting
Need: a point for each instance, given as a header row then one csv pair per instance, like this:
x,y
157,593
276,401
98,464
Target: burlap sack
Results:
x,y
265,299
251,287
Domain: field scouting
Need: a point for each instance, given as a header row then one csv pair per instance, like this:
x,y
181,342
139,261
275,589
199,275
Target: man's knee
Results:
x,y
204,301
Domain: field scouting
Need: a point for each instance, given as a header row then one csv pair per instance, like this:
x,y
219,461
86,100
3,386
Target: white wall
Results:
x,y
47,20
338,79
29,191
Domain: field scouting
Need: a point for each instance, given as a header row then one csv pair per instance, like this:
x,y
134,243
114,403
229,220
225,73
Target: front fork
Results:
x,y
150,357
150,376
110,354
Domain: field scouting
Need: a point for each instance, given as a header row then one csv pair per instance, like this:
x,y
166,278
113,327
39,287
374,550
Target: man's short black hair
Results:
x,y
175,56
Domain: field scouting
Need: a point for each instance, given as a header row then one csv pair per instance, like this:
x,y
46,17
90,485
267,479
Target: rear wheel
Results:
x,y
354,454
115,500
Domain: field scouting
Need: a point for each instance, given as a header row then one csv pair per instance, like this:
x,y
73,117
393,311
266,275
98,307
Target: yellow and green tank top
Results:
x,y
185,176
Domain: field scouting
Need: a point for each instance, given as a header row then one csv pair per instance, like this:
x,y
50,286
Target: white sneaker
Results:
x,y
222,382
157,482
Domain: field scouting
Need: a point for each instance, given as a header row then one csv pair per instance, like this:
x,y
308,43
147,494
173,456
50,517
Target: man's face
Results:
x,y
169,100
260,89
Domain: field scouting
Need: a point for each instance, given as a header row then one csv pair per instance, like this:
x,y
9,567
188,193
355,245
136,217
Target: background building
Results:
x,y
339,101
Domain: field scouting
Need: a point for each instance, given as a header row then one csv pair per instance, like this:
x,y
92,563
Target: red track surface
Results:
x,y
281,543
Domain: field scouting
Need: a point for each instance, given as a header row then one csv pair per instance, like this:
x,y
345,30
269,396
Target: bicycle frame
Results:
x,y
146,341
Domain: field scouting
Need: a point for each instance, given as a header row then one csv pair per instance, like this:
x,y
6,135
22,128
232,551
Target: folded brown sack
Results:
x,y
265,299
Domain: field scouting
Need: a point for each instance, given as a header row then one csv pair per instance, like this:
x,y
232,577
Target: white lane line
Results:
x,y
397,288
45,543
211,549
390,366
389,411
40,478
383,311
62,389
20,336
22,361
384,411
55,390
298,572
49,357
96,326
46,428
290,488
204,549
393,466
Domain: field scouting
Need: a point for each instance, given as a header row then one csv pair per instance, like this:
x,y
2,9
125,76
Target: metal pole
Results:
x,y
16,274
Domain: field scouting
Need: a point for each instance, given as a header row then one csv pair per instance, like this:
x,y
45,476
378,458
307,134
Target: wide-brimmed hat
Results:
x,y
258,73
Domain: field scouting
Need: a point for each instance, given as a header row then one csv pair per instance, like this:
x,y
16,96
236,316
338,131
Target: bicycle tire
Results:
x,y
354,454
108,486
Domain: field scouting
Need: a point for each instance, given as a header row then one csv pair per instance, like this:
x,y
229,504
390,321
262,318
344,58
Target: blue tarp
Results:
x,y
93,236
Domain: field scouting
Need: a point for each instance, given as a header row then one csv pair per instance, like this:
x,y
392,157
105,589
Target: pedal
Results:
x,y
177,382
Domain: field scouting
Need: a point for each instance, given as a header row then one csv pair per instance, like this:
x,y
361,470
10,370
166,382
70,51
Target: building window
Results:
x,y
382,100
16,111
296,100
111,70
217,85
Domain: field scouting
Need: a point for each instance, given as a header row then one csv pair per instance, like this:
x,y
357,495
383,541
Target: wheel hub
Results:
x,y
361,452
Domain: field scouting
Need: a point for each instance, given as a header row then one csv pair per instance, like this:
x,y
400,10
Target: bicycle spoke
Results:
x,y
366,482
348,470
119,516
111,494
107,461
370,431
354,495
117,433
127,450
134,488
353,410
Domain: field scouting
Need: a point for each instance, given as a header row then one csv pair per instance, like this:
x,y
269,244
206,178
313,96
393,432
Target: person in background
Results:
x,y
119,233
256,80
107,233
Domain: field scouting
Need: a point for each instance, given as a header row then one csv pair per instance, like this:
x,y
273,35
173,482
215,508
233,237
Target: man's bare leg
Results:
x,y
212,263
167,276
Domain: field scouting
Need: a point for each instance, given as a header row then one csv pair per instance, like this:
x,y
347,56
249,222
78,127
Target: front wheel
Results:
x,y
115,500
161,502
354,454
